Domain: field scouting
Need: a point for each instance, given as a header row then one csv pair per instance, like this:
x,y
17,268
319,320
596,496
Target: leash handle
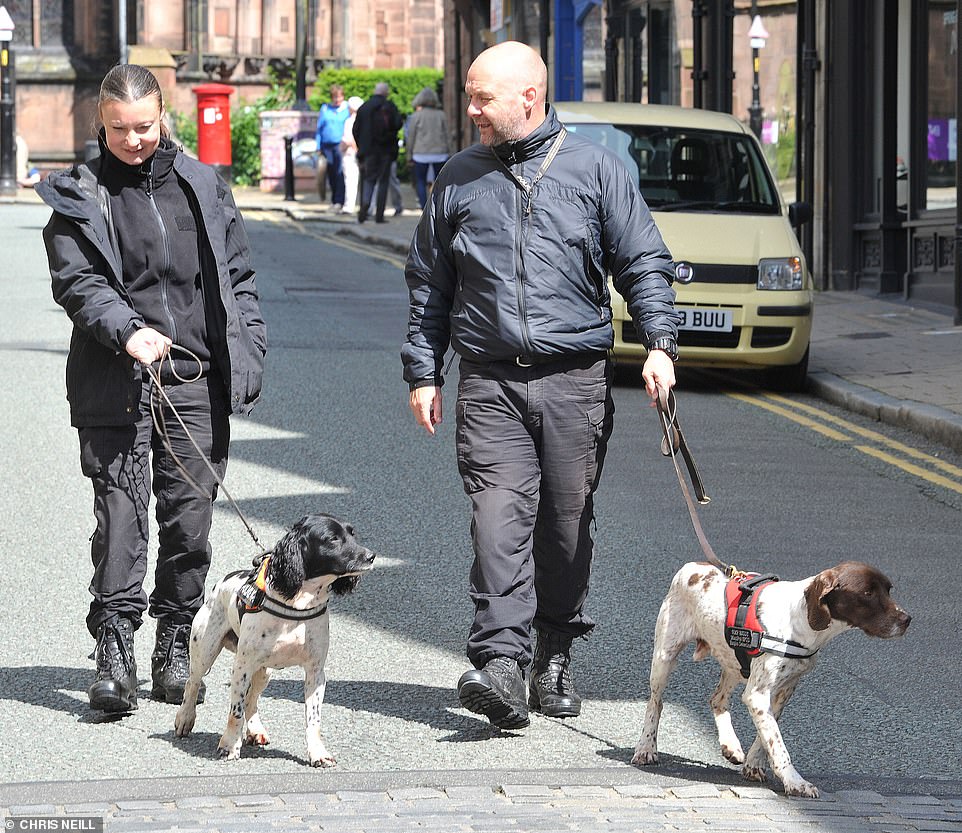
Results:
x,y
157,414
673,442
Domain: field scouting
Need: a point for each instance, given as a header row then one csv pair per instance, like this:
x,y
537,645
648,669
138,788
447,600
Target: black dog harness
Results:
x,y
252,597
743,629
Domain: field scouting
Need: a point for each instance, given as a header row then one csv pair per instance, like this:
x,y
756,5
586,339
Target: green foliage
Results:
x,y
185,129
405,84
245,144
785,155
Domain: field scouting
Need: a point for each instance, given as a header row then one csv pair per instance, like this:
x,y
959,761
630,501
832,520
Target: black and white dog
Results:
x,y
275,617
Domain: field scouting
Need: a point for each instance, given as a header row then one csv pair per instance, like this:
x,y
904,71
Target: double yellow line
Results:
x,y
917,463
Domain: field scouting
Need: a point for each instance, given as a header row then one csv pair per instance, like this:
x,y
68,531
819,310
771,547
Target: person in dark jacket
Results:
x,y
509,266
376,129
149,257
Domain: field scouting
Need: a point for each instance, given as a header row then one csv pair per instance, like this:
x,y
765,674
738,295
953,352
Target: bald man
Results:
x,y
509,267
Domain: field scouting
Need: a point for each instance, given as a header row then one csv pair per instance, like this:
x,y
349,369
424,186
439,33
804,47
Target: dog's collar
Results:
x,y
252,598
743,629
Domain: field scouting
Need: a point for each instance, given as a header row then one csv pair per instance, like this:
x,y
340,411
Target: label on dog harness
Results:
x,y
743,638
251,595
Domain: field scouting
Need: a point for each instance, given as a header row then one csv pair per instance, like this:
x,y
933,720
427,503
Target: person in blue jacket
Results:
x,y
148,252
330,131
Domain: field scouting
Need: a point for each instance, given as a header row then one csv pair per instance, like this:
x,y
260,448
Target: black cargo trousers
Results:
x,y
531,444
124,463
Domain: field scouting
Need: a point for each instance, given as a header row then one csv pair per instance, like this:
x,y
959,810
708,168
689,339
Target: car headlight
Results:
x,y
780,273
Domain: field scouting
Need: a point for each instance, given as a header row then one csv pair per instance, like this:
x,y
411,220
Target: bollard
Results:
x,y
288,169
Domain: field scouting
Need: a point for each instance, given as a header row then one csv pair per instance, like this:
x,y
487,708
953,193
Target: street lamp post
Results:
x,y
757,35
8,134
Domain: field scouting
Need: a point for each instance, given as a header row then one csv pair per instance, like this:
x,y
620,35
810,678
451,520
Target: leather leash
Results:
x,y
672,443
157,414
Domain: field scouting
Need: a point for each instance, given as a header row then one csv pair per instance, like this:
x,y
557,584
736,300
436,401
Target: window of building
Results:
x,y
941,116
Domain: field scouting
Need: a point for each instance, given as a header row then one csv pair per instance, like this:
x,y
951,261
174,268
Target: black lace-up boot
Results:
x,y
170,663
497,692
550,690
115,689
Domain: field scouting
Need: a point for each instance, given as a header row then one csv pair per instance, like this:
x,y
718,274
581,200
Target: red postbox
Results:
x,y
213,126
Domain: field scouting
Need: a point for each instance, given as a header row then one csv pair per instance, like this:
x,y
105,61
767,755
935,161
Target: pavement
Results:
x,y
885,358
879,356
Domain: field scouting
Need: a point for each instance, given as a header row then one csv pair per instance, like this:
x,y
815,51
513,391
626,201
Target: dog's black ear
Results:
x,y
286,570
819,615
344,585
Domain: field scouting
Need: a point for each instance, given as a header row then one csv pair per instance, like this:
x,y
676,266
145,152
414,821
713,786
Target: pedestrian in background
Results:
x,y
349,156
509,266
147,250
375,130
426,140
329,132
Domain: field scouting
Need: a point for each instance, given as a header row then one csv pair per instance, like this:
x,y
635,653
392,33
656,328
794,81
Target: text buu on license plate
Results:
x,y
705,319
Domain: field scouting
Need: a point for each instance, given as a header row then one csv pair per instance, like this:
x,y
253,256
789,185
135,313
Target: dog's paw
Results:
x,y
184,721
645,756
796,785
257,739
228,749
802,789
733,754
754,773
326,761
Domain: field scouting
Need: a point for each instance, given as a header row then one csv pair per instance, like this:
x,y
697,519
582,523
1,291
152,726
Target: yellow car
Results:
x,y
744,290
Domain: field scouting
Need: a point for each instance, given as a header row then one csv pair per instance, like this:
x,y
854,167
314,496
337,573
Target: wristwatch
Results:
x,y
666,343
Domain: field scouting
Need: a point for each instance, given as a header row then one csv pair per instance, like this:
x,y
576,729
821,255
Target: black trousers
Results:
x,y
124,464
375,171
531,444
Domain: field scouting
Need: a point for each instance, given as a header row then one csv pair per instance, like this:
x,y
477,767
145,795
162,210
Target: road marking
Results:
x,y
918,471
925,468
355,246
831,433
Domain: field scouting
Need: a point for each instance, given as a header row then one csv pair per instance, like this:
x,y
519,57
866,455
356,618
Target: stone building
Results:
x,y
62,48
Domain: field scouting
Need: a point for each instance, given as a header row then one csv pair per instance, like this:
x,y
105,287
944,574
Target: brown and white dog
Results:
x,y
810,612
275,620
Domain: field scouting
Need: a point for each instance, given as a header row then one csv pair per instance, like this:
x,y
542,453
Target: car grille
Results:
x,y
761,337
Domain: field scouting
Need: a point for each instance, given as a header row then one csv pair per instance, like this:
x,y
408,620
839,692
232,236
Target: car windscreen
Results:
x,y
690,170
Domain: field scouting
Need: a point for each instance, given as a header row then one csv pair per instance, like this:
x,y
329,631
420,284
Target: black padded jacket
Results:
x,y
499,275
103,382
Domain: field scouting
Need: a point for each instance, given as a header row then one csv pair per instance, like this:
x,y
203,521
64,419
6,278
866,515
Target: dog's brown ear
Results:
x,y
819,616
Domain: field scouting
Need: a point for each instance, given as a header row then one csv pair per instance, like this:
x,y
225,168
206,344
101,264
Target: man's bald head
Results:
x,y
507,86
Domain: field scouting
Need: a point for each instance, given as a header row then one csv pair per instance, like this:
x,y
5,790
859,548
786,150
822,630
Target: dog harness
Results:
x,y
743,629
252,597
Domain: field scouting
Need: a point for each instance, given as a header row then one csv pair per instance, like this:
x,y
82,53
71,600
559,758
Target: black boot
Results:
x,y
115,689
170,663
550,690
497,692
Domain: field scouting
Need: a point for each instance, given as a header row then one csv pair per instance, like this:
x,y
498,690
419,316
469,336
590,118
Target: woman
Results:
x,y
352,173
149,257
427,141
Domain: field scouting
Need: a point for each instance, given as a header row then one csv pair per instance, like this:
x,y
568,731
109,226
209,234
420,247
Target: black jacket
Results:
x,y
103,382
376,127
500,276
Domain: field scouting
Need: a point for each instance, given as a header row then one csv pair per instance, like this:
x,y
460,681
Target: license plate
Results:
x,y
705,319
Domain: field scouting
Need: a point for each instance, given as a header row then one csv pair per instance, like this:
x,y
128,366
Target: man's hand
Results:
x,y
426,405
658,372
147,345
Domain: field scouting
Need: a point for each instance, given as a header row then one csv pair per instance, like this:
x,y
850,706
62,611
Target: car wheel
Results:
x,y
792,378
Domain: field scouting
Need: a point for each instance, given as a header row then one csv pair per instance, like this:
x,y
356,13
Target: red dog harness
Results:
x,y
743,629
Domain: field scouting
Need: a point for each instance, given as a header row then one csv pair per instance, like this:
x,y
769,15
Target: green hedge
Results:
x,y
245,119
